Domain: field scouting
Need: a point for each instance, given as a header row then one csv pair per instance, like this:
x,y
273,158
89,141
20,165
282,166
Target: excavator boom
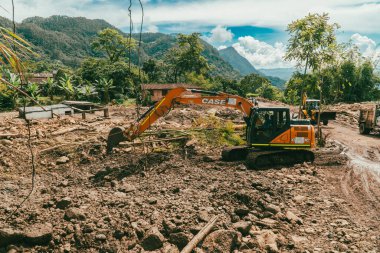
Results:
x,y
177,96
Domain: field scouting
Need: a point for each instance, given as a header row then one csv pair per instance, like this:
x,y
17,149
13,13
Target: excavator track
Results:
x,y
260,159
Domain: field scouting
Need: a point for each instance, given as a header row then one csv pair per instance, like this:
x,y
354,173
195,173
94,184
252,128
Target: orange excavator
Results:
x,y
273,139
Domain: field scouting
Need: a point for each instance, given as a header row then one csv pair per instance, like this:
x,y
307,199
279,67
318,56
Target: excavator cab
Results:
x,y
266,124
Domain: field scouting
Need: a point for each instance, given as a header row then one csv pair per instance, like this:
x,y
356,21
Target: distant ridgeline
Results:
x,y
68,40
244,67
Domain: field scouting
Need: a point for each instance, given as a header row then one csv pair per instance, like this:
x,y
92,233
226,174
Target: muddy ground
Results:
x,y
155,197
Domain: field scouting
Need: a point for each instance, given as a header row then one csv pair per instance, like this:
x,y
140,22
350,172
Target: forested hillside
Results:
x,y
68,40
59,37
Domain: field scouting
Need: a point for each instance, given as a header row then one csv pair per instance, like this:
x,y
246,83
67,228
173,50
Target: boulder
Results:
x,y
242,211
168,226
10,236
299,199
169,248
292,218
152,201
272,208
180,239
39,234
221,241
243,227
74,213
153,240
126,187
63,203
101,237
267,240
203,216
62,160
299,241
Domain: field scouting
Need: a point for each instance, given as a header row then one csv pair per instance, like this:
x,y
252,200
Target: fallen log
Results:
x,y
2,136
68,130
200,236
123,144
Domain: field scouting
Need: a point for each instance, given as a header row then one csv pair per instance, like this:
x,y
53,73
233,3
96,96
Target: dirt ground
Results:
x,y
156,195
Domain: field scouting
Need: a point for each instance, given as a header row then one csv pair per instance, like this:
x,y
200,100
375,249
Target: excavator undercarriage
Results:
x,y
259,159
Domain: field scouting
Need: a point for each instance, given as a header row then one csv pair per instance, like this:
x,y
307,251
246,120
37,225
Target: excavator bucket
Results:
x,y
115,136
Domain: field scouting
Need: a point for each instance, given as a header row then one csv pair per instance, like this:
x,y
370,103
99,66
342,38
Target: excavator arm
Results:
x,y
174,97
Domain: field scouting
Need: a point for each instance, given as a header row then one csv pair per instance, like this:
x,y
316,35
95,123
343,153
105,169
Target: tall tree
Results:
x,y
186,58
252,82
190,58
113,44
312,42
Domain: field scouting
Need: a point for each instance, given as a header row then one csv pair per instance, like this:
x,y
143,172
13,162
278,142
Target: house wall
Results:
x,y
157,95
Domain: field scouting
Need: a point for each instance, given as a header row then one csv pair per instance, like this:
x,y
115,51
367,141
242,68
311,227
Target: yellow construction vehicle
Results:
x,y
310,110
272,137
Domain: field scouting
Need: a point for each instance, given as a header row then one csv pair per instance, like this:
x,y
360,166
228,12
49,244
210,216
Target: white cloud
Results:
x,y
152,29
366,46
222,47
261,54
220,34
354,15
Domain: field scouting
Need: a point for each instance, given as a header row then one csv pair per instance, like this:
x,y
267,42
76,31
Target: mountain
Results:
x,y
68,40
59,37
155,45
237,61
242,65
283,73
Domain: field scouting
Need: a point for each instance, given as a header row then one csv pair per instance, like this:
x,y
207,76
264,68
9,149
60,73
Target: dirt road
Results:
x,y
360,184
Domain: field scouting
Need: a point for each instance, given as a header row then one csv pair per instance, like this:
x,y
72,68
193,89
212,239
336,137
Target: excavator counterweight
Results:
x,y
273,139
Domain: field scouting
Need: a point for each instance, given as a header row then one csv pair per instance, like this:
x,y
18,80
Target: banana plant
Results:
x,y
88,91
9,96
33,90
105,86
49,86
67,87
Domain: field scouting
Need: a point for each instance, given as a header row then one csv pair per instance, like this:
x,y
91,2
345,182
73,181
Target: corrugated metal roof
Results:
x,y
168,86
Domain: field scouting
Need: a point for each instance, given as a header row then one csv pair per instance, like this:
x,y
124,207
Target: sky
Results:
x,y
255,28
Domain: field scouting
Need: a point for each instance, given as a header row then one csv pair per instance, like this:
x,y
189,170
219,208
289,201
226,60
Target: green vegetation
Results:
x,y
337,73
217,132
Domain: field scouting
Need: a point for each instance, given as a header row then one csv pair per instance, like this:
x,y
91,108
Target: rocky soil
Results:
x,y
155,196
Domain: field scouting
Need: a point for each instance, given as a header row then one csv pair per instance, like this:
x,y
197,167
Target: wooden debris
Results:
x,y
2,136
200,236
67,130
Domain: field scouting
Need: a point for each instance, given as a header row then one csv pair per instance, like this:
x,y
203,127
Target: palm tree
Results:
x,y
9,42
12,48
105,86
